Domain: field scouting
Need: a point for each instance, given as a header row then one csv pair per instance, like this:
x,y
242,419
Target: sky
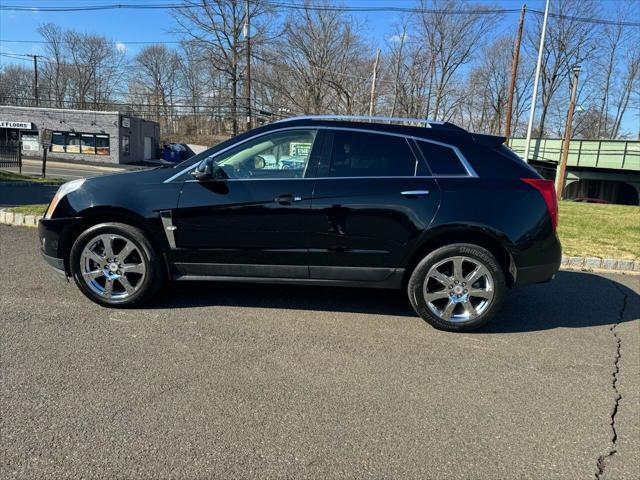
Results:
x,y
155,25
124,26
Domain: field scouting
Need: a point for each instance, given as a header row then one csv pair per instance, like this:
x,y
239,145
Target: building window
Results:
x,y
73,143
85,143
102,144
57,142
125,145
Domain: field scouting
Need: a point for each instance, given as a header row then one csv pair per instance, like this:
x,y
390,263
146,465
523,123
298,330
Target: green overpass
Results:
x,y
603,169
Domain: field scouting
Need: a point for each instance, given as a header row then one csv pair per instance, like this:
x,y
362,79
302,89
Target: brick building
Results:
x,y
86,135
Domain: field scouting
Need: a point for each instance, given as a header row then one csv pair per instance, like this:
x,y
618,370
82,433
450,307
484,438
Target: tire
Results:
x,y
454,303
111,281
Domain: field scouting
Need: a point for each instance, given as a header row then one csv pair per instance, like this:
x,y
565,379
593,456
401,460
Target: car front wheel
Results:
x,y
457,287
114,264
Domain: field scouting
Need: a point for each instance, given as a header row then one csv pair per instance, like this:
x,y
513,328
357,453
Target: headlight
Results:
x,y
65,189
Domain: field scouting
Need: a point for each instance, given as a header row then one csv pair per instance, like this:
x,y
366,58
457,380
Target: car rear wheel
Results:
x,y
114,264
457,288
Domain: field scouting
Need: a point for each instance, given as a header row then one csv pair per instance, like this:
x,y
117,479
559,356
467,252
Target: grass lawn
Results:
x,y
37,209
594,230
15,177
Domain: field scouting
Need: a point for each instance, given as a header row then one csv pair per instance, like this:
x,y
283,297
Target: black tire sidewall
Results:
x,y
418,276
152,279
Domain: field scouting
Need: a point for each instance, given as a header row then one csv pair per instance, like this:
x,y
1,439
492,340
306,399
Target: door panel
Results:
x,y
254,219
241,222
368,207
368,222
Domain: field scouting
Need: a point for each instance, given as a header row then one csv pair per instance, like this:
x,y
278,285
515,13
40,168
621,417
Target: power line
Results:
x,y
311,7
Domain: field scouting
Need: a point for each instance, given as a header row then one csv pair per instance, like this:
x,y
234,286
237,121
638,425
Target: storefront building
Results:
x,y
91,136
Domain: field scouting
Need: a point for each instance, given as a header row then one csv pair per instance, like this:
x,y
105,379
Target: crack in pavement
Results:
x,y
602,459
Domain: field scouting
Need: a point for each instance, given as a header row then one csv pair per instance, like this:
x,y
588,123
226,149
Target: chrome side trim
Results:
x,y
470,171
169,228
456,150
193,165
336,178
415,192
465,163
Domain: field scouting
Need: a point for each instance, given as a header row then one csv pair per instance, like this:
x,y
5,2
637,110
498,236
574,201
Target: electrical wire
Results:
x,y
313,7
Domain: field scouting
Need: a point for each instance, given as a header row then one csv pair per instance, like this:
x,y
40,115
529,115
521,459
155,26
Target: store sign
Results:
x,y
126,122
18,125
46,137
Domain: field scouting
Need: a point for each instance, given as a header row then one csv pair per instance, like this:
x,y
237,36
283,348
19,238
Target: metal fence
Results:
x,y
10,154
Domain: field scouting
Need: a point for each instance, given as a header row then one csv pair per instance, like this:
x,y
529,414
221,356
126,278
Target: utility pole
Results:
x,y
373,84
532,111
561,172
35,78
247,81
514,73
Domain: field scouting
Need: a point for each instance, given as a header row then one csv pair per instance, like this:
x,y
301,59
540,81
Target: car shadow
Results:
x,y
571,300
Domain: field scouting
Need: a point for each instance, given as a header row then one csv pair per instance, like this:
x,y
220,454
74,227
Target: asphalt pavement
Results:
x,y
66,170
257,381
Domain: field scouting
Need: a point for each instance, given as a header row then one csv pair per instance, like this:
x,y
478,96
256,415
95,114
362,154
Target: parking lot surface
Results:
x,y
258,381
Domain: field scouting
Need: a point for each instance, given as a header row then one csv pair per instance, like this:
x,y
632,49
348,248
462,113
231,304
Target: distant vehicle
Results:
x,y
452,217
589,200
176,152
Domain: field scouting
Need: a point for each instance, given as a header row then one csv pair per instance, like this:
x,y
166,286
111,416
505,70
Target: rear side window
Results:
x,y
361,154
442,160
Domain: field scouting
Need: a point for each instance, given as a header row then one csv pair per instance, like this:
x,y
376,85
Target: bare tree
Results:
x,y
16,85
452,41
81,70
155,82
325,68
569,42
216,28
630,86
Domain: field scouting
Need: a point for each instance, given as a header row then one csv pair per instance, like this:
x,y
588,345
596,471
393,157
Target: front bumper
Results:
x,y
51,234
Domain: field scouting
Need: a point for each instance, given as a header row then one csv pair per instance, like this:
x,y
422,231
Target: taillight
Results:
x,y
548,191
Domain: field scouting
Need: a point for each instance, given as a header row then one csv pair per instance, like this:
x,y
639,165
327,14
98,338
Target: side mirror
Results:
x,y
208,171
203,172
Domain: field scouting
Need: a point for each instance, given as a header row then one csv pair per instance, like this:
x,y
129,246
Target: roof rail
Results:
x,y
421,121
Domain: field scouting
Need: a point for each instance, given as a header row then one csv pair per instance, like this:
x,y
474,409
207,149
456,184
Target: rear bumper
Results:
x,y
536,274
551,255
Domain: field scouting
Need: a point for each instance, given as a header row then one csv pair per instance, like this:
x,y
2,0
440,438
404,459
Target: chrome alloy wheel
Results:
x,y
458,289
112,266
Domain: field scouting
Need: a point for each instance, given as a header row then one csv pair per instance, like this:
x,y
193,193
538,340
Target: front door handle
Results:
x,y
287,199
414,193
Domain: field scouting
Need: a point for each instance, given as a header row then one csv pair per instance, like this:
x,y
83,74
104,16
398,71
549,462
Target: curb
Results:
x,y
596,263
577,263
19,219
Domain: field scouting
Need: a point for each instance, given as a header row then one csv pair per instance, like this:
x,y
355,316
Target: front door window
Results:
x,y
279,155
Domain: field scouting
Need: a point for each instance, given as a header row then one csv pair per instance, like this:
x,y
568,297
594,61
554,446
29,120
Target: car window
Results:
x,y
362,154
277,155
441,159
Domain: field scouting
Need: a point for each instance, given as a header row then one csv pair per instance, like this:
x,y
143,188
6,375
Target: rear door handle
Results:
x,y
414,193
287,199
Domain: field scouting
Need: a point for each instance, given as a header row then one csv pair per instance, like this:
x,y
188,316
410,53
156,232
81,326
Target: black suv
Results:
x,y
453,217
